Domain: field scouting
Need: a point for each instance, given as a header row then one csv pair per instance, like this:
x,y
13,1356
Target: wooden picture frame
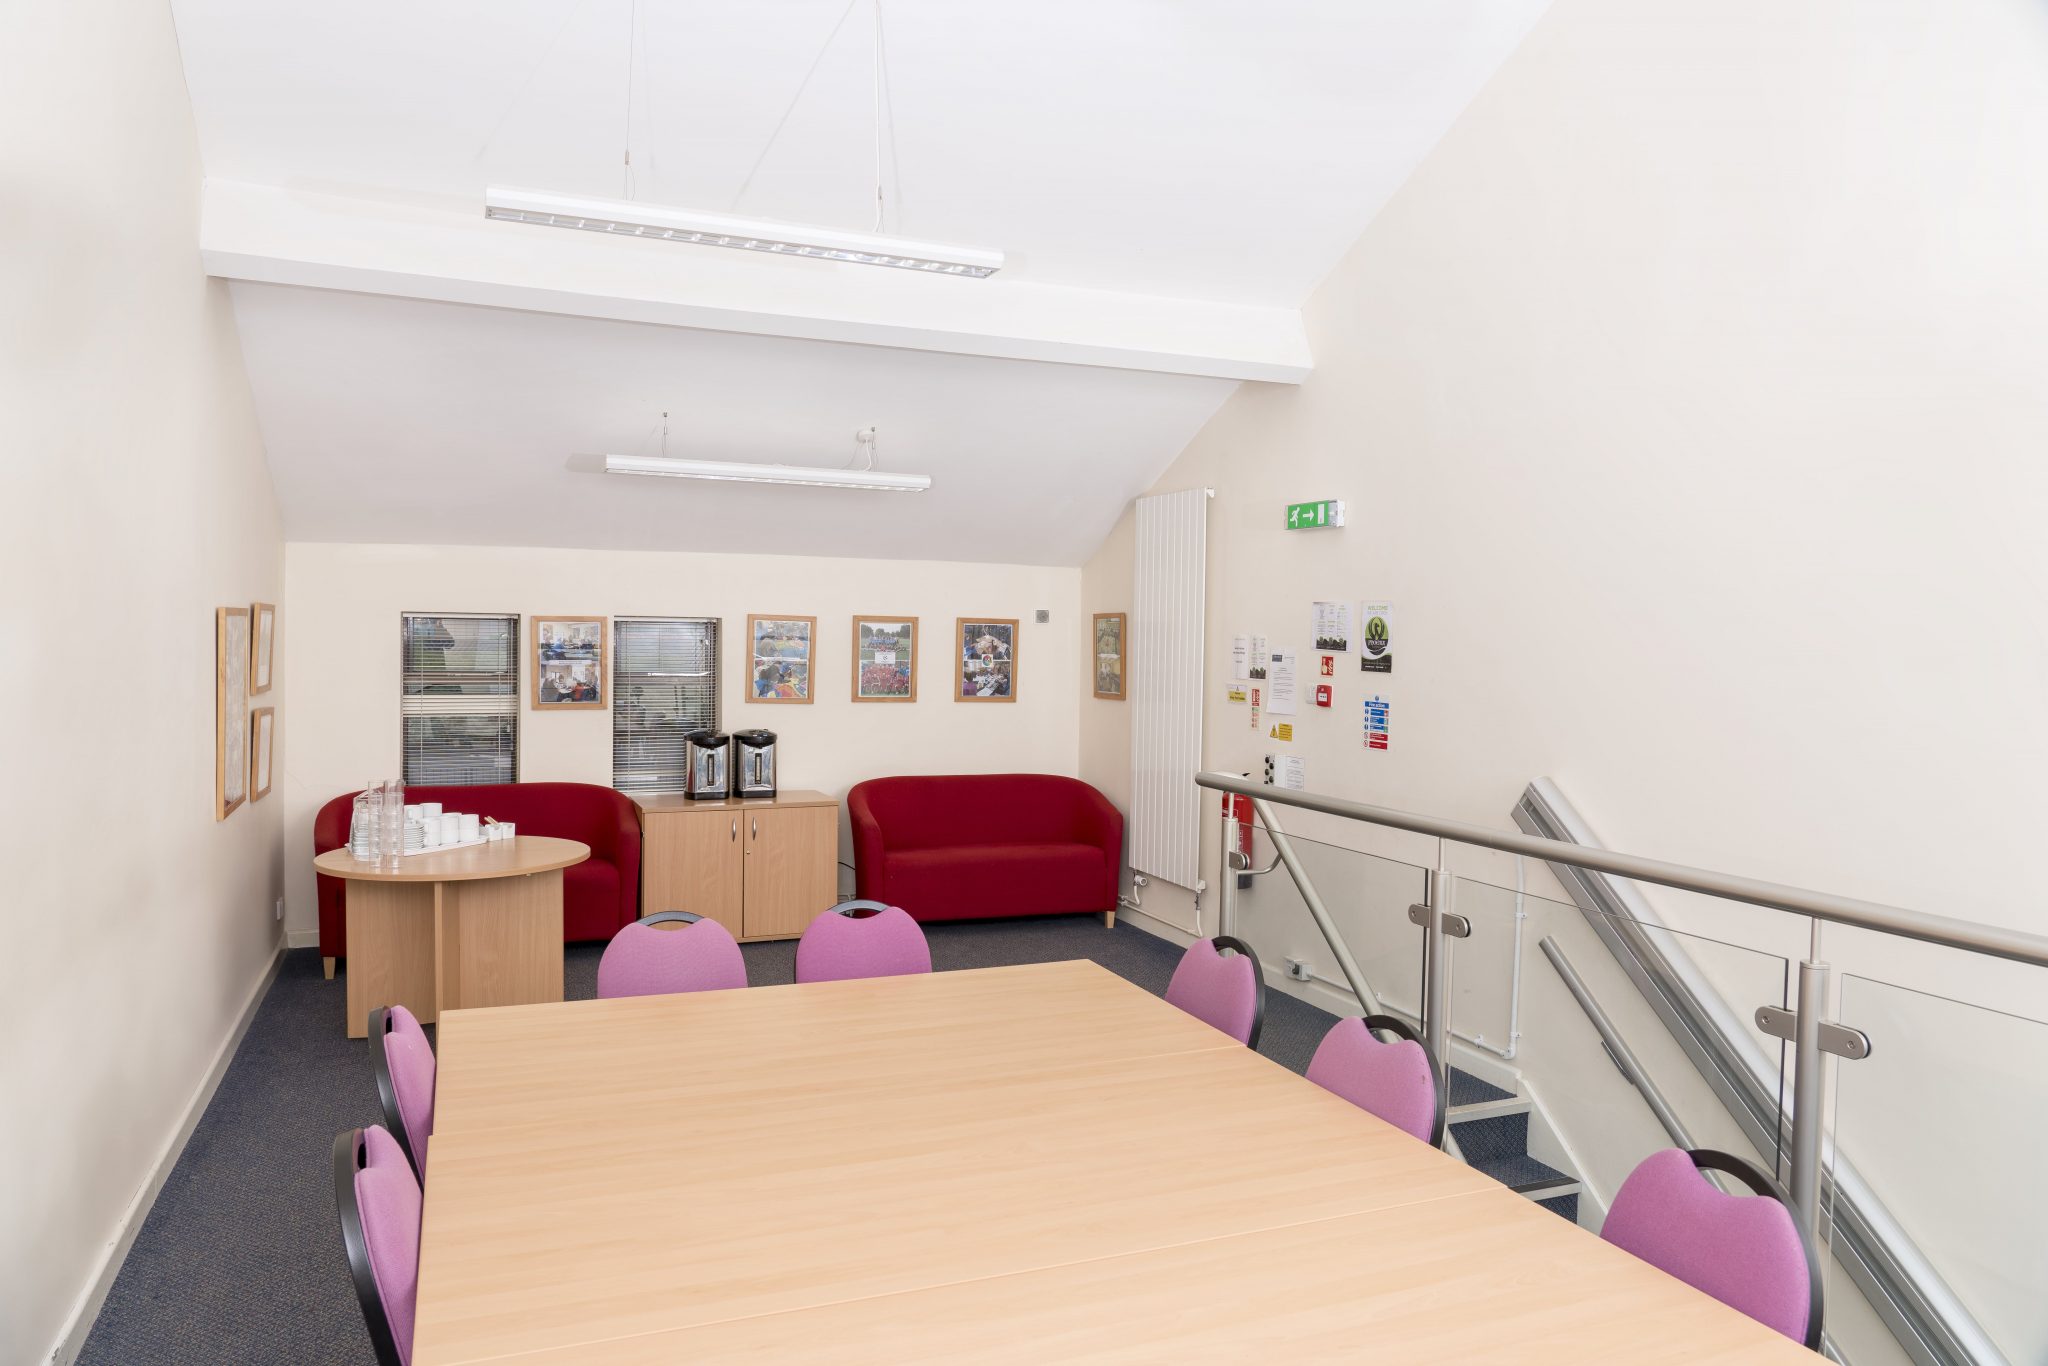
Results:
x,y
262,646
775,673
262,750
230,709
870,669
567,654
1109,656
985,659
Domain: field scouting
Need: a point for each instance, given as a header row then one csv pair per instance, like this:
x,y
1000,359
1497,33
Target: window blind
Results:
x,y
458,700
664,685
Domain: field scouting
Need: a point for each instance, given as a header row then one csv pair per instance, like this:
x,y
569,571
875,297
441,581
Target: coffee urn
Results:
x,y
753,763
706,755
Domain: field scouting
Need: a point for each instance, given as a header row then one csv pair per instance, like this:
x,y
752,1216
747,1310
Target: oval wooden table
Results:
x,y
475,926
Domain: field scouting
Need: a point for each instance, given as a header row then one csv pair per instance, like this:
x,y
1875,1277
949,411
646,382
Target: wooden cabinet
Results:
x,y
763,868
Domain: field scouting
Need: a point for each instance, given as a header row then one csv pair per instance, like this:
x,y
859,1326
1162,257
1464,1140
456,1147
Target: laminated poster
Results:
x,y
1291,773
1255,708
1240,660
1280,699
1235,695
1376,638
1282,730
1332,626
1376,722
1257,672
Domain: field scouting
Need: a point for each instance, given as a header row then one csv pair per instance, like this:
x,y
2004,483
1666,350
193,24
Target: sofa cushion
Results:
x,y
590,900
972,882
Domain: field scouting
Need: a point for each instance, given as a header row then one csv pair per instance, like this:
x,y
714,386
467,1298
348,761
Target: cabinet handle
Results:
x,y
754,821
735,827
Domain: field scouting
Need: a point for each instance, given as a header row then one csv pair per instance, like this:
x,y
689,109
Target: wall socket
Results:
x,y
280,908
1298,970
1044,616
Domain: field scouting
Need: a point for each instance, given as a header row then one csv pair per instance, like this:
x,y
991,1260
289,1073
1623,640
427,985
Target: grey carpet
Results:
x,y
240,1259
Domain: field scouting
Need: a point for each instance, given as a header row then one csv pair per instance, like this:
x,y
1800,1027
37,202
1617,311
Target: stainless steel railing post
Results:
x,y
1436,1026
1317,911
1809,1081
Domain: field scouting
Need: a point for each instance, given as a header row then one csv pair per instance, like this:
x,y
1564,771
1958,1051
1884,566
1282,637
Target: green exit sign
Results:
x,y
1324,512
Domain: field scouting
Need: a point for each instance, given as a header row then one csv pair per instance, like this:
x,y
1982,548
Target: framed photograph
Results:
x,y
779,658
568,663
885,659
262,736
230,709
985,659
1109,655
263,633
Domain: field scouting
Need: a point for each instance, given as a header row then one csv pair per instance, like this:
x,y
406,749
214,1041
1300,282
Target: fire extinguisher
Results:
x,y
1237,817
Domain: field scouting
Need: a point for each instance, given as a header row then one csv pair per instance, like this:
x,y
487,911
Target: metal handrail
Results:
x,y
1970,935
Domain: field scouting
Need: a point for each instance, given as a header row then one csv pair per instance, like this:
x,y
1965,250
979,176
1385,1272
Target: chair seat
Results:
x,y
977,881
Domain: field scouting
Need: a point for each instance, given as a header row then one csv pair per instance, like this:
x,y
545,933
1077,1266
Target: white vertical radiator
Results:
x,y
1166,678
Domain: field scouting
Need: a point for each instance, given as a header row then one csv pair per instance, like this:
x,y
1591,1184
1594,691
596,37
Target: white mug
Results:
x,y
506,830
451,827
430,832
429,810
471,826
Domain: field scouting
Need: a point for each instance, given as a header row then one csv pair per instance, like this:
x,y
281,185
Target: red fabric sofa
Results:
x,y
969,847
599,895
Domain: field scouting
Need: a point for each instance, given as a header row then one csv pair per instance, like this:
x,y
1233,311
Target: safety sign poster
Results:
x,y
1375,722
1375,638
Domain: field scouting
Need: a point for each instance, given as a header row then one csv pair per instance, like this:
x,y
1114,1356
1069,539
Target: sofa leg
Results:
x,y
1109,919
327,966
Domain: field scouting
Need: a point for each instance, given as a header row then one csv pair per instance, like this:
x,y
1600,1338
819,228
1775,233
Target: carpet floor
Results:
x,y
240,1259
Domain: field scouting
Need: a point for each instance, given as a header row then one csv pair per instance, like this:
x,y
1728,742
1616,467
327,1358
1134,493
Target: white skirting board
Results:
x,y
1168,613
79,1325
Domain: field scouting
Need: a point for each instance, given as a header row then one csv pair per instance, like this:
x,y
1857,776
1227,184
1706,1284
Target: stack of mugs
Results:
x,y
427,826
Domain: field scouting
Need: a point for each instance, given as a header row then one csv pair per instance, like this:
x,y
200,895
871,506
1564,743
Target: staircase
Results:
x,y
1490,1130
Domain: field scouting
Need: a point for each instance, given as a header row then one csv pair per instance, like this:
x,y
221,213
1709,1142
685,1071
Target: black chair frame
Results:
x,y
348,1160
670,918
1233,944
1401,1029
1762,1183
854,910
387,1091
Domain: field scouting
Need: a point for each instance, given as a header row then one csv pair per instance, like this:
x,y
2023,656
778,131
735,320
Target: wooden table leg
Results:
x,y
390,950
500,941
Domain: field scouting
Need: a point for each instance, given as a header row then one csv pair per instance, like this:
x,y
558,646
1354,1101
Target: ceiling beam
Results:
x,y
280,236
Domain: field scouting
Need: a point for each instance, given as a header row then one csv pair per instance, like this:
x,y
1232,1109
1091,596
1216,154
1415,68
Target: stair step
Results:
x,y
1467,1089
1564,1206
1488,1109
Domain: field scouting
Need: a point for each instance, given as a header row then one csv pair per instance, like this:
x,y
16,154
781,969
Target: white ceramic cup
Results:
x,y
429,810
451,827
506,830
412,811
472,827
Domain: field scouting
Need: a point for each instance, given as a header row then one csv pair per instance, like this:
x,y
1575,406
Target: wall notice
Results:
x,y
1235,694
1376,638
1256,672
1291,773
1280,681
1241,658
1376,722
1331,622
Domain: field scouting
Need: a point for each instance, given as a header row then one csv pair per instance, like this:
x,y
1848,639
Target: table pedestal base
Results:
x,y
434,946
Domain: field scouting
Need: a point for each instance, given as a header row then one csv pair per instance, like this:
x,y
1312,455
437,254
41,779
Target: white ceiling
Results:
x,y
1206,149
399,420
1218,155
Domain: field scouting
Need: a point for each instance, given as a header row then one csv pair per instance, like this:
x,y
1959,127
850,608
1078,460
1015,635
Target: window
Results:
x,y
458,700
664,685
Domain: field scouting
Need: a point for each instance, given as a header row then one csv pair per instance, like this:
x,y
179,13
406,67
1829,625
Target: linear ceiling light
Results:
x,y
624,218
766,474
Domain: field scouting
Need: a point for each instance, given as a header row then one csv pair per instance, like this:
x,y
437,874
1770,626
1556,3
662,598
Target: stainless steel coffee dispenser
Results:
x,y
753,760
707,755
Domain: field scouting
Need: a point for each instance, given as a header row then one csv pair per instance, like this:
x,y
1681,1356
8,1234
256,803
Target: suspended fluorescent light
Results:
x,y
623,218
737,472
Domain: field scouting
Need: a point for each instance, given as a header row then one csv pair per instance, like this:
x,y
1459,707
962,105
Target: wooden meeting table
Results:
x,y
476,926
1022,1164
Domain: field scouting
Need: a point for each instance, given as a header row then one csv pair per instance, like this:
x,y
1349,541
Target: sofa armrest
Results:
x,y
1099,823
869,846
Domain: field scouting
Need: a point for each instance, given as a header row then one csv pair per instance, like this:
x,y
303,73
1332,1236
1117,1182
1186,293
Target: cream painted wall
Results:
x,y
136,501
344,602
1688,406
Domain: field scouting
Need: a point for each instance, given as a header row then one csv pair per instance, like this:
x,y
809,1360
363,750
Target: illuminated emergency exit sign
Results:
x,y
1325,512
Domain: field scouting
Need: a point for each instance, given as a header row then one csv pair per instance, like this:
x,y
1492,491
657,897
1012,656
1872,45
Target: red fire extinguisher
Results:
x,y
1237,815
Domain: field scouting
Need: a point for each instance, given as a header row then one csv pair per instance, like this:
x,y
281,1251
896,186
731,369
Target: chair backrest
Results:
x,y
404,1064
670,951
1219,983
854,940
1746,1251
1396,1081
378,1199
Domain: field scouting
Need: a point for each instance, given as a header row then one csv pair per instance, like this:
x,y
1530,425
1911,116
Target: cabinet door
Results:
x,y
792,867
694,861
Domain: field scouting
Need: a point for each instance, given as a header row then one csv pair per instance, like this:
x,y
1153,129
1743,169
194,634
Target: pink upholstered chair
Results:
x,y
861,939
1746,1251
404,1064
670,951
379,1202
1219,983
1396,1081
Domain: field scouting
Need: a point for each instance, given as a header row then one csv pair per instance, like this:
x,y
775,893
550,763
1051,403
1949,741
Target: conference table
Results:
x,y
1019,1164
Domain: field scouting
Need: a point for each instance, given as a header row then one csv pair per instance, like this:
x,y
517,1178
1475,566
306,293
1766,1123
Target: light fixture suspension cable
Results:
x,y
877,4
632,50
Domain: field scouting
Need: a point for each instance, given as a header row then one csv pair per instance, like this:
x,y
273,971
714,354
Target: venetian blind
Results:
x,y
458,700
664,685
